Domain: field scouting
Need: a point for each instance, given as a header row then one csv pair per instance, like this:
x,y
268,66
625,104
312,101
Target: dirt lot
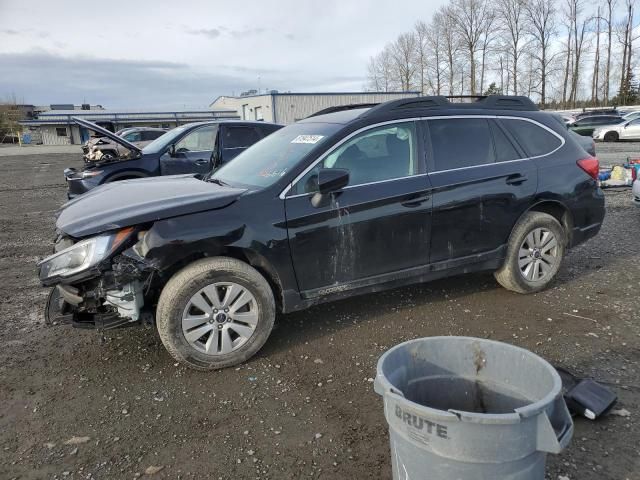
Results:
x,y
305,406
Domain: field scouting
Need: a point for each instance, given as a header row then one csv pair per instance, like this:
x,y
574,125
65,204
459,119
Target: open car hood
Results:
x,y
145,200
106,133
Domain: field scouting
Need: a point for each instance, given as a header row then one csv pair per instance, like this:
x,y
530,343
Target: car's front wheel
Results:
x,y
534,253
611,137
215,313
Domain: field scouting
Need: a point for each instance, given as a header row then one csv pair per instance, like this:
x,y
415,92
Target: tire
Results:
x,y
515,274
611,137
178,315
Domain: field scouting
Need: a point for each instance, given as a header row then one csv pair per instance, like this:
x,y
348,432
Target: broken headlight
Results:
x,y
82,255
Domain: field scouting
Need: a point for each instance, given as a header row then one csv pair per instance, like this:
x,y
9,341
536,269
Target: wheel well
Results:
x,y
559,212
244,256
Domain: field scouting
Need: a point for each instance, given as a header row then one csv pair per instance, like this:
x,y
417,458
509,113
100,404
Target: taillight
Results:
x,y
591,166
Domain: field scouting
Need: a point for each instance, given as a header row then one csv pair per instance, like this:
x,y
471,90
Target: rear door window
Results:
x,y
460,143
534,140
240,137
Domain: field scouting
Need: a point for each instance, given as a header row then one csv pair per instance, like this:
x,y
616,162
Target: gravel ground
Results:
x,y
616,153
73,406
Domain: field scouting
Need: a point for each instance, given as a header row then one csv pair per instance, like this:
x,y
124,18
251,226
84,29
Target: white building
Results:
x,y
286,108
56,127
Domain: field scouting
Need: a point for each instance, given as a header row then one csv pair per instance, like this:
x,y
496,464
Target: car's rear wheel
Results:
x,y
534,253
215,313
611,137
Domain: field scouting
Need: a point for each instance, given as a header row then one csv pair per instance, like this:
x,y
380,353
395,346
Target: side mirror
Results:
x,y
172,150
332,179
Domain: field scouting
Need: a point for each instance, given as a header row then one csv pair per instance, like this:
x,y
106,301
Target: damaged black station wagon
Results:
x,y
348,201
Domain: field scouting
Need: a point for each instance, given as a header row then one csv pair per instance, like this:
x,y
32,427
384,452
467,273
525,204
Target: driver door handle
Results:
x,y
202,162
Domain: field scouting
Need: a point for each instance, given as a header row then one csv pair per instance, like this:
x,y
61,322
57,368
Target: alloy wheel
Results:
x,y
538,254
220,318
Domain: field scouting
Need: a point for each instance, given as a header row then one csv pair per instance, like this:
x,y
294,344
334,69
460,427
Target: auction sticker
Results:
x,y
307,139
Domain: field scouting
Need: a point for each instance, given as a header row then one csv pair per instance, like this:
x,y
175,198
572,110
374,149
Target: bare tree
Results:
x,y
627,53
446,25
470,18
421,42
567,66
488,39
606,88
380,71
542,26
596,64
435,51
403,52
512,22
578,27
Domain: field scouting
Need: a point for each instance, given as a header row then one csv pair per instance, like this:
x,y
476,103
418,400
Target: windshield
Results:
x,y
163,140
267,161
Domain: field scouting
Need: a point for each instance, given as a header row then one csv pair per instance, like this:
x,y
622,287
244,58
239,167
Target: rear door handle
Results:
x,y
516,179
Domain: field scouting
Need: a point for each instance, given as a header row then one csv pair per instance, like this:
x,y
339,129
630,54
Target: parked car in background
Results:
x,y
631,115
593,112
103,148
195,148
627,130
342,203
586,125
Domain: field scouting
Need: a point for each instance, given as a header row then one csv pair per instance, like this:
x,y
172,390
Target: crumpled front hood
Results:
x,y
132,202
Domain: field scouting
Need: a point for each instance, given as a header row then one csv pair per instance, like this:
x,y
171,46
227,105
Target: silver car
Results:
x,y
636,192
627,130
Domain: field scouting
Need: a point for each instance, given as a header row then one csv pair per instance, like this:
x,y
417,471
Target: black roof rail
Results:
x,y
493,102
342,108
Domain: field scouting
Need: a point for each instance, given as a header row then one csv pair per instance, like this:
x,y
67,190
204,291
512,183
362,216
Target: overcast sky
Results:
x,y
126,54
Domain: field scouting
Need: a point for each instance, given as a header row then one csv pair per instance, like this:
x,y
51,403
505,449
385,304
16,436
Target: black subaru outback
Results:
x,y
346,202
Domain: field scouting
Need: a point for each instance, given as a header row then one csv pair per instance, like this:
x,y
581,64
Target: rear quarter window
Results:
x,y
532,138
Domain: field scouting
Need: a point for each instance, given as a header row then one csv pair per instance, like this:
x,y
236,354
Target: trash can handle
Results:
x,y
381,387
555,431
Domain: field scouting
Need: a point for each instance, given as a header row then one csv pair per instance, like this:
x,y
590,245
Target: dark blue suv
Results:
x,y
192,148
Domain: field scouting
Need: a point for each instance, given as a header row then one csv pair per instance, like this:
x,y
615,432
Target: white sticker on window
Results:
x,y
307,139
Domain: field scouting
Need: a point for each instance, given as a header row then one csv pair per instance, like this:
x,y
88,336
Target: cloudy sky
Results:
x,y
126,54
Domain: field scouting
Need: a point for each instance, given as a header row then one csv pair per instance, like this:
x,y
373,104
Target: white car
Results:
x,y
632,115
627,130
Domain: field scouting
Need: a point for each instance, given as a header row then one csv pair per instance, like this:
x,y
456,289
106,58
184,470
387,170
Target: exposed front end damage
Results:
x,y
115,293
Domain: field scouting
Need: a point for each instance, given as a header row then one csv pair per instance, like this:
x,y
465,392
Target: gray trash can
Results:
x,y
463,408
